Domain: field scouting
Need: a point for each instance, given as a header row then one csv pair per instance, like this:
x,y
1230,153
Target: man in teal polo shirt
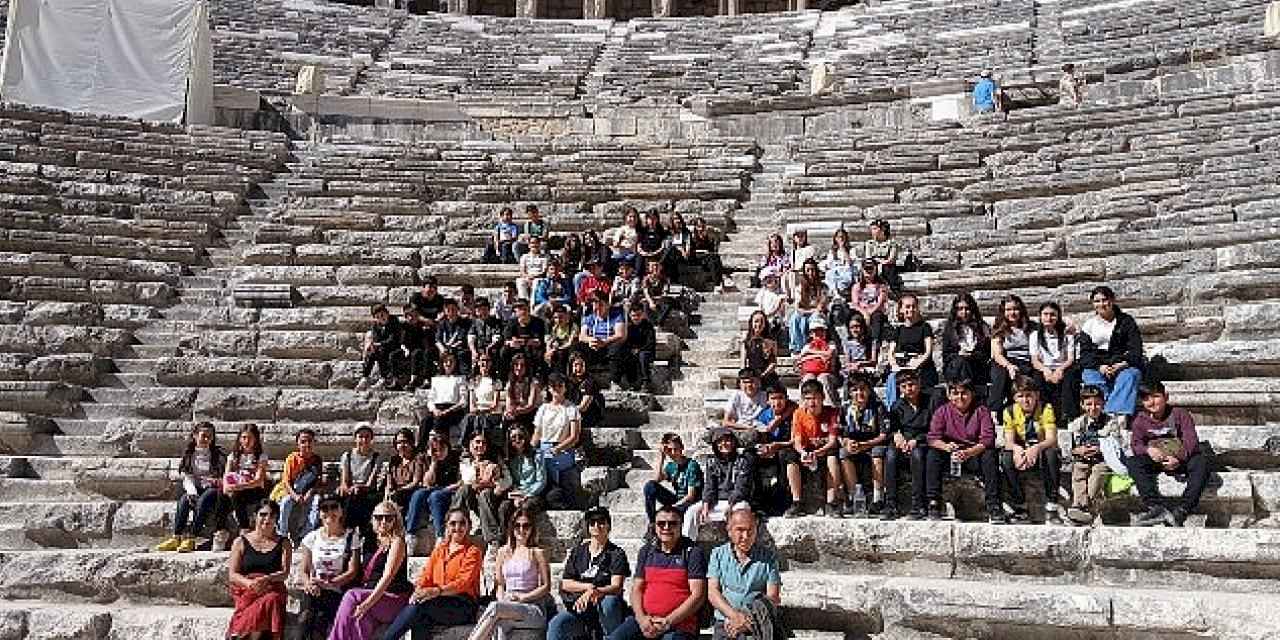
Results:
x,y
743,583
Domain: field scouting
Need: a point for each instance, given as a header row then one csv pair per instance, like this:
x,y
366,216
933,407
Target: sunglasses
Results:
x,y
265,514
599,522
383,517
522,526
666,524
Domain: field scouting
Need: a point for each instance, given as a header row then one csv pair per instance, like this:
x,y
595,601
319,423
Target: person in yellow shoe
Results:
x,y
200,497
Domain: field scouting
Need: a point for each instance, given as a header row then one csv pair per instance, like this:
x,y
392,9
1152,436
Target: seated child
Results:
x,y
1089,471
818,361
864,430
743,408
909,429
1165,441
1030,440
963,438
814,438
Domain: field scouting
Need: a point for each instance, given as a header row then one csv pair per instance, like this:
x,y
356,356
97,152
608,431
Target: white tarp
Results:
x,y
146,59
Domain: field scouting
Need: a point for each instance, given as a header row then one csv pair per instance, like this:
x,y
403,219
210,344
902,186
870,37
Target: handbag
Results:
x,y
305,480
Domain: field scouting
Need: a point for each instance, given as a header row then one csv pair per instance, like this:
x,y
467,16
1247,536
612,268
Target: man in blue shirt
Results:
x,y
603,337
986,95
743,583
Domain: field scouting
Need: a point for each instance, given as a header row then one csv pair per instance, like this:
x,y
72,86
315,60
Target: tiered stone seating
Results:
x,y
102,220
1125,35
665,60
261,44
476,56
4,21
899,43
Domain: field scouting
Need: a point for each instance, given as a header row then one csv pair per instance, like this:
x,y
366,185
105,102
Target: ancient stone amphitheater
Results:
x,y
152,274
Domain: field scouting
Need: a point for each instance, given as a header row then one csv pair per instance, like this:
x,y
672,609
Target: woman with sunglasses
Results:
x,y
256,573
383,586
329,563
448,587
522,597
591,587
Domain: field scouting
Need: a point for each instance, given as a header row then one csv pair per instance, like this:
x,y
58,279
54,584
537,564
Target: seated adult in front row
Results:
x,y
962,435
1165,441
591,587
1111,356
448,588
669,587
743,583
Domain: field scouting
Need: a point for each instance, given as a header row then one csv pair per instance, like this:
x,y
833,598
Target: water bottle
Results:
x,y
956,467
860,501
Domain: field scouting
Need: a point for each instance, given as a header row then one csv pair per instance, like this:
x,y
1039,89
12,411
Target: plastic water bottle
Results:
x,y
956,467
860,501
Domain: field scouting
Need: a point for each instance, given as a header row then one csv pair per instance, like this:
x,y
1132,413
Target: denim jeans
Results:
x,y
596,622
655,493
556,464
287,504
1121,392
435,500
630,630
203,506
799,328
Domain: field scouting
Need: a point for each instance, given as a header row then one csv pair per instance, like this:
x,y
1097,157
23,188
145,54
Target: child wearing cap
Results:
x,y
730,479
818,361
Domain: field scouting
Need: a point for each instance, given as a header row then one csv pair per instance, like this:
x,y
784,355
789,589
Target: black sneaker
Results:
x,y
833,510
890,512
935,513
917,515
876,508
1176,517
996,516
793,511
1154,516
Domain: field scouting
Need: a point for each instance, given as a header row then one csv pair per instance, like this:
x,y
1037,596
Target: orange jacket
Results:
x,y
459,571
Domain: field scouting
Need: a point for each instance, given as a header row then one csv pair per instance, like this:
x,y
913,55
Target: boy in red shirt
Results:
x,y
814,436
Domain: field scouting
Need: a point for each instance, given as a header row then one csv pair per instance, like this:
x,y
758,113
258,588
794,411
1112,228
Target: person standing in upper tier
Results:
x,y
1070,87
986,94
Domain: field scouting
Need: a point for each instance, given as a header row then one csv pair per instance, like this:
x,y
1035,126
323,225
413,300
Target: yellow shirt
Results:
x,y
1015,425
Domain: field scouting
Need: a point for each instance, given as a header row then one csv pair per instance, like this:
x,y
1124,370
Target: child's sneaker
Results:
x,y
1079,516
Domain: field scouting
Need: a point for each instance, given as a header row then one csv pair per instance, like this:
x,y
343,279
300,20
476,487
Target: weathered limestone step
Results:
x,y
34,620
902,607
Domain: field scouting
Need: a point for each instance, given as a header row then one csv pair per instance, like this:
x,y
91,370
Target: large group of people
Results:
x,y
355,588
510,396
993,408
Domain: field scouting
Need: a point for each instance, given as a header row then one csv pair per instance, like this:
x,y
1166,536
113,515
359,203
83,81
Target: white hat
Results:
x,y
818,323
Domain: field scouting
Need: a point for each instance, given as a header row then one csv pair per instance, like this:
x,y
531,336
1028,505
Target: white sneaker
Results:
x,y
410,543
363,384
378,384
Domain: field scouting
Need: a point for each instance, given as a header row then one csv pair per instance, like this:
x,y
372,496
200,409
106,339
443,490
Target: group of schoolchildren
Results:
x,y
586,299
993,410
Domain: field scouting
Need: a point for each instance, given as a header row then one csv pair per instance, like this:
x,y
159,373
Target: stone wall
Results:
x,y
762,6
499,8
564,9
